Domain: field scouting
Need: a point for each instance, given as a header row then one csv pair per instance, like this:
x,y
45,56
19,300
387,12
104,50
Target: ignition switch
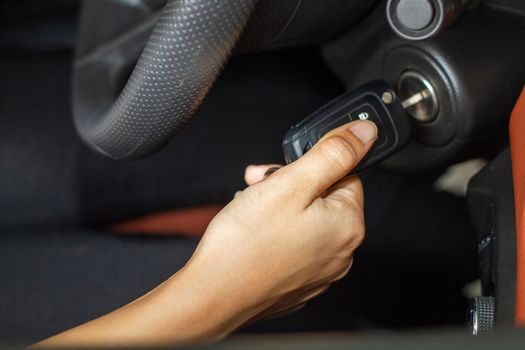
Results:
x,y
419,97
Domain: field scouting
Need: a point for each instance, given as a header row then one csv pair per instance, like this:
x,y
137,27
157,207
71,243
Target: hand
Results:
x,y
284,240
278,244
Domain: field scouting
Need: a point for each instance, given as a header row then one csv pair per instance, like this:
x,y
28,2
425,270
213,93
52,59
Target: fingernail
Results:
x,y
365,131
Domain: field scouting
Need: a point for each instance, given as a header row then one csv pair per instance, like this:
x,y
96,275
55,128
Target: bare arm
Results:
x,y
181,310
280,243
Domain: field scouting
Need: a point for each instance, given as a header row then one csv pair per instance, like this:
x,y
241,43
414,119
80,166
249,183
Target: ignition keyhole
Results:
x,y
418,96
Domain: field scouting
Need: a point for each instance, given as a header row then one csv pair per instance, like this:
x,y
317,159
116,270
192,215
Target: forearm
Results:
x,y
176,312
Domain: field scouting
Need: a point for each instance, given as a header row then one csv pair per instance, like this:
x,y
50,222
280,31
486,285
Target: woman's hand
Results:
x,y
284,240
278,244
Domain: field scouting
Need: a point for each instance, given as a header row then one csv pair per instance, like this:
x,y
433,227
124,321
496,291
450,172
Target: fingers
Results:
x,y
332,158
256,173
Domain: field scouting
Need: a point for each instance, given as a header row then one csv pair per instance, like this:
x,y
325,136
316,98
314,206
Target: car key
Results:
x,y
376,101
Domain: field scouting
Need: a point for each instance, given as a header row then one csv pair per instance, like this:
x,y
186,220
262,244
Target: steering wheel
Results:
x,y
189,46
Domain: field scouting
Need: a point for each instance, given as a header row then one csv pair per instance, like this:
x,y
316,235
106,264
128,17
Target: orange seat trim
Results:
x,y
517,149
186,222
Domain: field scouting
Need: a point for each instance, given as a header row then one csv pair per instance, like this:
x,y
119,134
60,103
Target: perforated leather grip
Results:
x,y
190,44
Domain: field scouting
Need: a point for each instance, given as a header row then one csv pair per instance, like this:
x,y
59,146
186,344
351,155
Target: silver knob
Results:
x,y
422,19
481,315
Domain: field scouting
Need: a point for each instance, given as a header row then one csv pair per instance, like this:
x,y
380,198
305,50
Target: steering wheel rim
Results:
x,y
190,43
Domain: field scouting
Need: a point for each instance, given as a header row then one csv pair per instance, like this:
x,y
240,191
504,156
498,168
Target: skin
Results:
x,y
277,245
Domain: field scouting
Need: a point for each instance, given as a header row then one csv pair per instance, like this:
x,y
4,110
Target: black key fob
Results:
x,y
376,101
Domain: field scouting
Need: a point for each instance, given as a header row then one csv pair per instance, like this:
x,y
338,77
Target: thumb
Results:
x,y
333,157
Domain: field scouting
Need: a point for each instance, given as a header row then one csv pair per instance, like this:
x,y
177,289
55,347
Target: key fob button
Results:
x,y
364,112
367,112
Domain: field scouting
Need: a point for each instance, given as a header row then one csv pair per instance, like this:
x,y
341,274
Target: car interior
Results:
x,y
117,149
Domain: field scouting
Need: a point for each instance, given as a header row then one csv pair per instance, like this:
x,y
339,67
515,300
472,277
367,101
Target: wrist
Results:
x,y
202,303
